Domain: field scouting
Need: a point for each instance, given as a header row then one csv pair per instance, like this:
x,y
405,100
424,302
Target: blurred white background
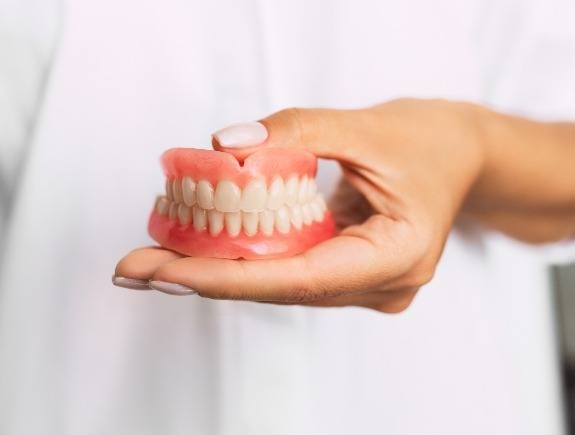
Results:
x,y
475,354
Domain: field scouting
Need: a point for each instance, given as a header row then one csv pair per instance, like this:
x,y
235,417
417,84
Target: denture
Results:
x,y
262,207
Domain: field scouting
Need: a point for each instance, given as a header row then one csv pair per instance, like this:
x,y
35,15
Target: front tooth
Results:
x,y
169,193
233,223
162,205
291,191
302,191
227,197
316,211
200,218
307,214
296,217
254,196
276,194
184,214
173,211
250,222
205,195
282,220
266,218
215,222
311,190
189,191
177,190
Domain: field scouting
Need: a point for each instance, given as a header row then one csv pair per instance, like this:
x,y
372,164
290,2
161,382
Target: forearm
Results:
x,y
527,185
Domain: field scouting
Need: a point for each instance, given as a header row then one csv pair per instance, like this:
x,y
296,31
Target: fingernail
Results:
x,y
131,283
171,288
241,135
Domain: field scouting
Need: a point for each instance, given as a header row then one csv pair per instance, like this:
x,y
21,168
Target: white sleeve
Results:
x,y
528,57
28,31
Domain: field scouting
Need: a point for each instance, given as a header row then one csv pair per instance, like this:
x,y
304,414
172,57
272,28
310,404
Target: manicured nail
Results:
x,y
131,283
171,288
241,135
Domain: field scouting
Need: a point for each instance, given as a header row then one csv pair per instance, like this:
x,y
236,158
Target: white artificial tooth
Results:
x,y
233,223
215,222
227,196
250,222
302,190
267,219
321,202
205,195
177,190
254,196
184,214
311,190
291,190
200,218
276,194
169,193
307,214
296,216
282,220
316,211
189,191
173,211
162,205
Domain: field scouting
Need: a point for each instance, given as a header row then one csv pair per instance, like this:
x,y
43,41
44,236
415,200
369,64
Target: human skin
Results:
x,y
410,169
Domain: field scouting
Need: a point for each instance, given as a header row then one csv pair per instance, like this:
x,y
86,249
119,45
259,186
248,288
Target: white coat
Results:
x,y
475,354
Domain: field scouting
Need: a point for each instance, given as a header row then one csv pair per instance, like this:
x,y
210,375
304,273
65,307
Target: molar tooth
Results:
x,y
177,190
173,211
266,218
311,190
200,218
250,222
254,196
302,191
282,220
169,193
184,214
307,214
233,222
291,190
227,196
215,222
296,216
189,191
205,195
162,205
316,211
276,194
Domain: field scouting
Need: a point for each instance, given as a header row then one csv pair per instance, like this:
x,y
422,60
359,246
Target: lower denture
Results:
x,y
215,207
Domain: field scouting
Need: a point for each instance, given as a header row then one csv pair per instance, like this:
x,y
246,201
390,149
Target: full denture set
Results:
x,y
217,206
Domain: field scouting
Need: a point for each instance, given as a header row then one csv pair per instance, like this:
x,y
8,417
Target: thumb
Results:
x,y
324,132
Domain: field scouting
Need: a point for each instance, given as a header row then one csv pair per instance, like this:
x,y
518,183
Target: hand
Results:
x,y
408,166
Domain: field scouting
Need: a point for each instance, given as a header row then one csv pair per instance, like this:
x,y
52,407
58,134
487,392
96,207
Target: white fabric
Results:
x,y
474,355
